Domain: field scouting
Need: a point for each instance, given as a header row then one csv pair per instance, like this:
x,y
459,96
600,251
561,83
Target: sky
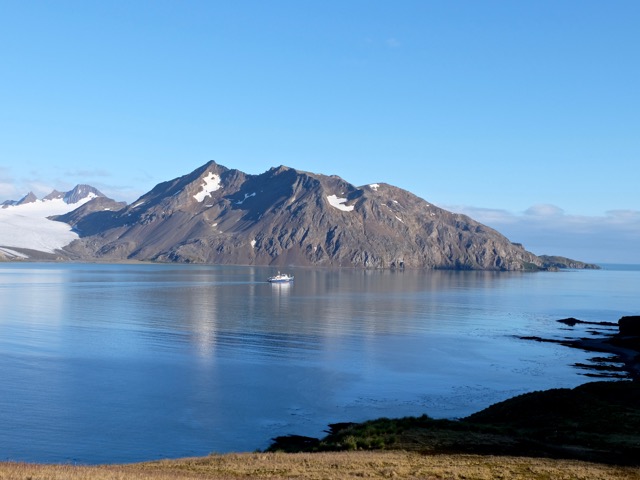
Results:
x,y
522,114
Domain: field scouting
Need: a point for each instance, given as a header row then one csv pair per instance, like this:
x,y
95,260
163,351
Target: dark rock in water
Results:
x,y
570,321
629,326
624,344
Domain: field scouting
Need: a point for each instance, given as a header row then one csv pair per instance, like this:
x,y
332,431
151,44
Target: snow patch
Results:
x,y
246,195
338,203
253,243
211,184
374,186
399,218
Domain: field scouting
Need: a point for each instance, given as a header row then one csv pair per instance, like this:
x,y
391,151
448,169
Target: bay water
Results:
x,y
131,362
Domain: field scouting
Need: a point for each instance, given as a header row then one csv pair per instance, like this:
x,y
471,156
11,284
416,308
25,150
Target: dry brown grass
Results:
x,y
341,465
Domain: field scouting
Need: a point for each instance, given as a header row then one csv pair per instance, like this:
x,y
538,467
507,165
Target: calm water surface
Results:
x,y
123,363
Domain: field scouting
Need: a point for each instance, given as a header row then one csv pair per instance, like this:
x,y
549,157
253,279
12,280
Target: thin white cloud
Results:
x,y
544,210
393,43
95,173
547,229
7,185
40,189
7,191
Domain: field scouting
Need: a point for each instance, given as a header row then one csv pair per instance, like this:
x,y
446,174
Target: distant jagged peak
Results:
x,y
28,198
280,169
381,188
195,188
81,192
211,167
202,183
54,195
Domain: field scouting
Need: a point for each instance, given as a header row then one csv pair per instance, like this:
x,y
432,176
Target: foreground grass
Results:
x,y
329,465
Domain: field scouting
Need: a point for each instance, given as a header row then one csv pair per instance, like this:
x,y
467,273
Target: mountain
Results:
x,y
81,192
28,198
26,230
290,217
78,194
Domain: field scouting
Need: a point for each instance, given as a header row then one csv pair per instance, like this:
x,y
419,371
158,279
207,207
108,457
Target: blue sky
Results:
x,y
523,114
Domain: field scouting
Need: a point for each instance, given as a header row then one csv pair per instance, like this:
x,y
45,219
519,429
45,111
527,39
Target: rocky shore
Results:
x,y
598,421
620,340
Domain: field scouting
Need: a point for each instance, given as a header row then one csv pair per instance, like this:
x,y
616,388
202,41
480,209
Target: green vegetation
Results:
x,y
598,421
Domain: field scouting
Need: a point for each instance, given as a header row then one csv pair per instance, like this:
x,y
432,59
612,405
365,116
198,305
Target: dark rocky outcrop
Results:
x,y
572,322
290,217
630,326
620,340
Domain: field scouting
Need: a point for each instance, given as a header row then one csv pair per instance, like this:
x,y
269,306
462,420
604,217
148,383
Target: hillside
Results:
x,y
597,421
289,217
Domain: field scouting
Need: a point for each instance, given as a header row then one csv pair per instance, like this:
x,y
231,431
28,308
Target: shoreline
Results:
x,y
624,347
490,437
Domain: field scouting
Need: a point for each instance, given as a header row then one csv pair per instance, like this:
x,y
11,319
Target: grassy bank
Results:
x,y
598,421
334,465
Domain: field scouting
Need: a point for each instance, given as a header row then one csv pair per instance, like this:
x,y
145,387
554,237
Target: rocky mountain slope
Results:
x,y
290,217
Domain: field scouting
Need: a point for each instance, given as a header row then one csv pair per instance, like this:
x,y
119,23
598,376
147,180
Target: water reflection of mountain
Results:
x,y
229,305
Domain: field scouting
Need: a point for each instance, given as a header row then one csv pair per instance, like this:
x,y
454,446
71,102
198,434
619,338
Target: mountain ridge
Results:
x,y
76,194
281,217
288,217
26,228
